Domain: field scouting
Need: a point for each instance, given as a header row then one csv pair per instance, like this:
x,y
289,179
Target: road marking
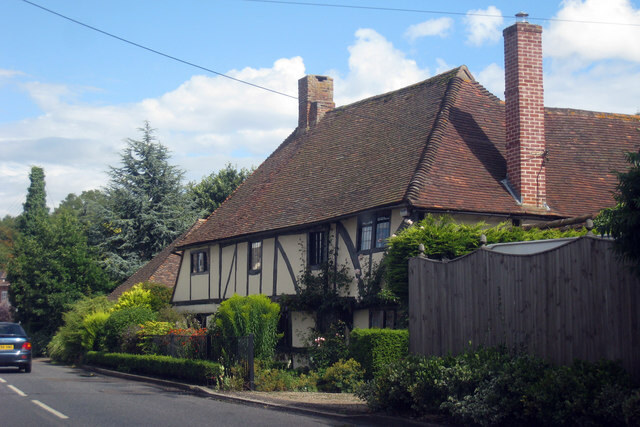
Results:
x,y
50,410
17,390
2,381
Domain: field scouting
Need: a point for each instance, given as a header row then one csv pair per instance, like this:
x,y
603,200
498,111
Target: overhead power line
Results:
x,y
156,51
434,12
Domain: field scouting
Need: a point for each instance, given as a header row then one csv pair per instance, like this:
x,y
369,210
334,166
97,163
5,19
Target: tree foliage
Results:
x,y
146,206
623,221
214,189
35,205
8,233
52,265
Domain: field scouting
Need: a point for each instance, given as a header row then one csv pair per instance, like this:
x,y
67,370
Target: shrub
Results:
x,y
390,390
160,295
194,371
272,379
497,387
377,348
67,344
342,377
93,330
137,296
254,314
120,320
326,349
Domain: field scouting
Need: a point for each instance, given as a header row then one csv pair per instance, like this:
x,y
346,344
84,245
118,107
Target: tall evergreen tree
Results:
x,y
146,206
35,206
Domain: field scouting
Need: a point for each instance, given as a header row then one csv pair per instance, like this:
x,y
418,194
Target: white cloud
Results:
x,y
484,25
434,27
375,66
591,41
9,73
492,78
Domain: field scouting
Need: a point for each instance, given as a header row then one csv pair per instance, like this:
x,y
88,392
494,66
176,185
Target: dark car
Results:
x,y
15,346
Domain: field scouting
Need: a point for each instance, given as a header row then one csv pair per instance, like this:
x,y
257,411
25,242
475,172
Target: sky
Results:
x,y
71,95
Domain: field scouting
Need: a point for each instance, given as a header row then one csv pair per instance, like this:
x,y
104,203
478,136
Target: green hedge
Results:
x,y
376,348
192,371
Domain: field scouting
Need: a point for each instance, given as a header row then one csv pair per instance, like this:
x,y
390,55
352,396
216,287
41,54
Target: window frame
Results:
x,y
195,257
322,256
253,252
372,221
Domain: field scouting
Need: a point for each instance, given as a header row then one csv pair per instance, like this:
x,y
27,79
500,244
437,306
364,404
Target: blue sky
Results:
x,y
71,96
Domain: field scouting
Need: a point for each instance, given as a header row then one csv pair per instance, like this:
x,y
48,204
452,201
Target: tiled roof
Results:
x,y
163,268
436,145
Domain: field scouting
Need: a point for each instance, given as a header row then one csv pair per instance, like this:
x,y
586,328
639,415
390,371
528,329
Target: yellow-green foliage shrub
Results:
x,y
137,296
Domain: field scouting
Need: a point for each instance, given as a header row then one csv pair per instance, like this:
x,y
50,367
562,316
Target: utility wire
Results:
x,y
158,52
434,12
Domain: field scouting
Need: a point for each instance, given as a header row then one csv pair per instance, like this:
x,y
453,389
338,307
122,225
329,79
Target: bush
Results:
x,y
120,320
193,371
497,387
137,296
160,295
326,349
342,377
93,337
254,314
66,346
377,348
271,379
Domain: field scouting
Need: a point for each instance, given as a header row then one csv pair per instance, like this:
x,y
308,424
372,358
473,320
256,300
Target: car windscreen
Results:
x,y
11,329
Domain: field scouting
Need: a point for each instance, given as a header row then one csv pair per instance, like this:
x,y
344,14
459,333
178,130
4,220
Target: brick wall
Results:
x,y
524,105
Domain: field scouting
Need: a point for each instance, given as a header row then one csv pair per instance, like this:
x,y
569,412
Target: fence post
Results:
x,y
250,361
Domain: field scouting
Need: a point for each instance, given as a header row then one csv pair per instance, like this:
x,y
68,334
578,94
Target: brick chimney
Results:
x,y
315,99
524,107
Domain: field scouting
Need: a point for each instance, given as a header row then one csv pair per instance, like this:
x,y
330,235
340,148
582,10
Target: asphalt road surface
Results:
x,y
53,395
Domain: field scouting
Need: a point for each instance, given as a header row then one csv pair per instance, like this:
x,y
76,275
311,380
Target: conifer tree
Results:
x,y
146,206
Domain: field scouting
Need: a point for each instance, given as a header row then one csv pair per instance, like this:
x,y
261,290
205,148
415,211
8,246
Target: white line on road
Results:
x,y
50,410
17,390
2,381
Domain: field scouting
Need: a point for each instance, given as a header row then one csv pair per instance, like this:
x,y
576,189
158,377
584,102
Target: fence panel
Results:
x,y
575,301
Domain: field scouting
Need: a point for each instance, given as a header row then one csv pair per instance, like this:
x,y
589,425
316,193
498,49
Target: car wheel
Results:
x,y
27,368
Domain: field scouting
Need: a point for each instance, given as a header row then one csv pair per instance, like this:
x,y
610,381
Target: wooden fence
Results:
x,y
575,301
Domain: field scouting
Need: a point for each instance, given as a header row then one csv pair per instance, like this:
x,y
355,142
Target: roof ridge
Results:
x,y
435,137
459,71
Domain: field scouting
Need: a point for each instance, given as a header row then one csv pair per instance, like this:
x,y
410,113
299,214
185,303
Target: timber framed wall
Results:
x,y
576,301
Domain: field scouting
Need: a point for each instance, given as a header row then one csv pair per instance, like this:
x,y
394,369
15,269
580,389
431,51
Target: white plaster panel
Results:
x,y
302,324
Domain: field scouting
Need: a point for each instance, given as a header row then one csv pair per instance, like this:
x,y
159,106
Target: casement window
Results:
x,y
255,257
317,248
5,296
199,262
373,231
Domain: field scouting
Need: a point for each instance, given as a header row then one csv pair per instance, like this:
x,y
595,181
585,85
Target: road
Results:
x,y
53,395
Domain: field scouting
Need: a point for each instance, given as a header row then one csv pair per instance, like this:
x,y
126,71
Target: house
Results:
x,y
349,177
162,268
